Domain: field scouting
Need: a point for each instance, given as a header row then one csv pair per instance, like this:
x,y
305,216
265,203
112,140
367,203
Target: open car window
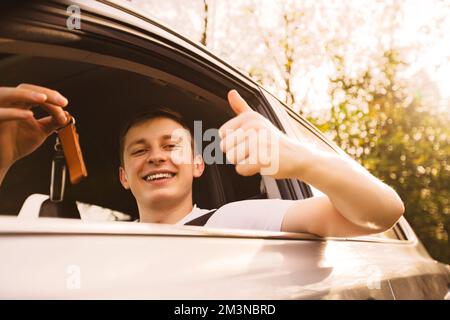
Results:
x,y
116,65
101,97
107,76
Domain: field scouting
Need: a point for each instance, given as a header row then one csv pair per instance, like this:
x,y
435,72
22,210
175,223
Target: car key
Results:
x,y
58,175
72,152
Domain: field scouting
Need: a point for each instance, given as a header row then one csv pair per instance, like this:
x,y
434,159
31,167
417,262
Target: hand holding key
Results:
x,y
20,132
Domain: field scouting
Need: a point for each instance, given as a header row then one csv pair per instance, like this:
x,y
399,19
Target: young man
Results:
x,y
159,167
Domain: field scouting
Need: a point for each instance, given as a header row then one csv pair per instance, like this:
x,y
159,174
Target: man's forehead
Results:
x,y
161,124
156,129
143,138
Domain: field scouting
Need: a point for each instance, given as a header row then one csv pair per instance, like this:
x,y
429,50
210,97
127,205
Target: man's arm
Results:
x,y
356,203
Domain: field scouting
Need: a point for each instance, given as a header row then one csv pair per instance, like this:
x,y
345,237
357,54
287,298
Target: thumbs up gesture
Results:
x,y
254,144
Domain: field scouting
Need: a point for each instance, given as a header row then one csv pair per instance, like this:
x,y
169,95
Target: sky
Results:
x,y
433,61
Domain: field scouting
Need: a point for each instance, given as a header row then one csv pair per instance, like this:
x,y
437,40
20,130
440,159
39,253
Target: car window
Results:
x,y
100,102
105,82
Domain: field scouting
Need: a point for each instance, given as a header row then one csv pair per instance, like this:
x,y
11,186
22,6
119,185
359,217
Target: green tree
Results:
x,y
399,139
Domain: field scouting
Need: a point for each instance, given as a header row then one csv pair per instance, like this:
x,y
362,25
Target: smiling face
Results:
x,y
158,163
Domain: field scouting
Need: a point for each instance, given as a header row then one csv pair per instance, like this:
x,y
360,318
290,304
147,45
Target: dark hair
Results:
x,y
140,117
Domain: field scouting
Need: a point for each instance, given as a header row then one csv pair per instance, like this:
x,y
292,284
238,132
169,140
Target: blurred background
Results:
x,y
372,75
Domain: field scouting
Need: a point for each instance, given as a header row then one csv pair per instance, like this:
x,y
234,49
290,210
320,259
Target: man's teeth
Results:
x,y
156,176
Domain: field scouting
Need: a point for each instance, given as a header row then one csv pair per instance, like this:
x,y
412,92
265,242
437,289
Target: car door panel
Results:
x,y
124,260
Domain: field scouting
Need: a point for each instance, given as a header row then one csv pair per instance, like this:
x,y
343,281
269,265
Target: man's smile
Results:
x,y
159,177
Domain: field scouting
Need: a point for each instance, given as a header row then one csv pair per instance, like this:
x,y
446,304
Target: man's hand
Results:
x,y
20,132
255,145
356,203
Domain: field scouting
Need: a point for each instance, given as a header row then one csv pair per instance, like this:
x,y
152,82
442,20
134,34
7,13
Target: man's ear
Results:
x,y
199,166
123,178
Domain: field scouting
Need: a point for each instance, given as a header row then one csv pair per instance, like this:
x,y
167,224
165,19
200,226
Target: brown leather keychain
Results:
x,y
72,152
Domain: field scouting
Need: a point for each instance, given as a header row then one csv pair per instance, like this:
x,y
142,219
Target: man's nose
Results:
x,y
157,157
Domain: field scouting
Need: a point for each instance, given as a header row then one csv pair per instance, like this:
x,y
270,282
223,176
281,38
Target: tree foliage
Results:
x,y
398,139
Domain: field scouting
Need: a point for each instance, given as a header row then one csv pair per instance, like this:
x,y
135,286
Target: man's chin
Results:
x,y
162,198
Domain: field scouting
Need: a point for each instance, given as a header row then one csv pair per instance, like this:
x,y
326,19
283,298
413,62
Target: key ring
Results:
x,y
58,145
71,121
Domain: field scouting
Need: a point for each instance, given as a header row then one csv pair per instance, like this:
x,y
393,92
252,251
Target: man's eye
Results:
x,y
171,146
137,152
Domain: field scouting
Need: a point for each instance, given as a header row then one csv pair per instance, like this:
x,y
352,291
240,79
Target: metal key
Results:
x,y
58,176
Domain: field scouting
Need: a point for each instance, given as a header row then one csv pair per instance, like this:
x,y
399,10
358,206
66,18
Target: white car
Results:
x,y
121,60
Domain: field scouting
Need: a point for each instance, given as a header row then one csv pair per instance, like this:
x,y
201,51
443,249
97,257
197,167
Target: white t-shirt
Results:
x,y
259,214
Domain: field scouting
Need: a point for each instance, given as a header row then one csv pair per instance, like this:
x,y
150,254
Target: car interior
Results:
x,y
101,99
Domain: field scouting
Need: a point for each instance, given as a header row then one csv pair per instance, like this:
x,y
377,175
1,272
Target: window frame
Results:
x,y
118,35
